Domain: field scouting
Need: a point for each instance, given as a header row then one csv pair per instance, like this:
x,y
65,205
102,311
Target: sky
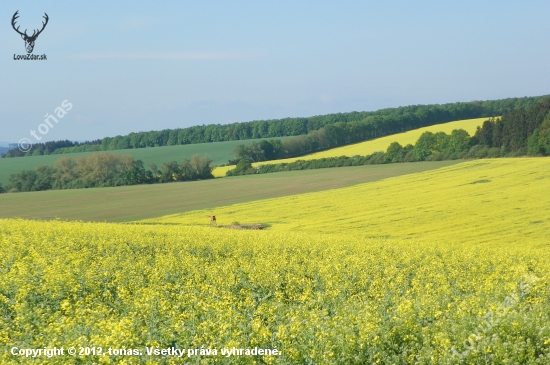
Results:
x,y
130,66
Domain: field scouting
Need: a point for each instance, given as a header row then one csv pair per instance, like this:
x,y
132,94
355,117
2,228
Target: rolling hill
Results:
x,y
493,200
449,264
378,144
219,152
126,203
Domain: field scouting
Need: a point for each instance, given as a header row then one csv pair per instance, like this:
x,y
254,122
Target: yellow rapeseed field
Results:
x,y
492,200
449,266
379,144
317,299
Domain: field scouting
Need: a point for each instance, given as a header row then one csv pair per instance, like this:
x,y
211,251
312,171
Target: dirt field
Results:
x,y
130,203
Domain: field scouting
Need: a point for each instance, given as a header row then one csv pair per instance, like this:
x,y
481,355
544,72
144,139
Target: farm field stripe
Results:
x,y
476,201
379,144
130,203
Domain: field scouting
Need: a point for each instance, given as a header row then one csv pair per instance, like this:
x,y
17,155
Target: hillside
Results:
x,y
219,152
449,264
341,128
493,200
128,203
371,146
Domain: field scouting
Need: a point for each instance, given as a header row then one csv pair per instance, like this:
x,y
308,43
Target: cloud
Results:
x,y
182,56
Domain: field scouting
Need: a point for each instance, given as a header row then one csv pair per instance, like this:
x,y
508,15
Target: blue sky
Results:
x,y
131,66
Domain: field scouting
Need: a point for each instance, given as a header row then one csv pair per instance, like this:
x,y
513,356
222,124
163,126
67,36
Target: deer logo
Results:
x,y
29,40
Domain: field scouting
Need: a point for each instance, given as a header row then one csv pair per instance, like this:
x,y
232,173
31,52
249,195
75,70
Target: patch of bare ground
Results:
x,y
254,226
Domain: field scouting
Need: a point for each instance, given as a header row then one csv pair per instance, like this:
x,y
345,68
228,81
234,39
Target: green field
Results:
x,y
149,201
219,152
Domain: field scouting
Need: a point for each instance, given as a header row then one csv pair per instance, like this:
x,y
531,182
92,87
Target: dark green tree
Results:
x,y
23,180
544,136
484,133
441,142
394,153
202,166
45,178
170,171
424,145
244,167
458,141
534,147
137,174
188,173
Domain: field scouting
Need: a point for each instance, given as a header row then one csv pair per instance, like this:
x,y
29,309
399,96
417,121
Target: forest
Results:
x,y
518,132
340,128
524,131
104,170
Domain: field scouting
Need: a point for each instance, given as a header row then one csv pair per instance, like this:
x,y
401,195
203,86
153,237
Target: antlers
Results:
x,y
34,34
15,16
43,26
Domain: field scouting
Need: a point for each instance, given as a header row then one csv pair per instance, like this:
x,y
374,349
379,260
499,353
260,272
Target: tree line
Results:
x,y
341,128
510,132
522,131
104,169
525,131
429,147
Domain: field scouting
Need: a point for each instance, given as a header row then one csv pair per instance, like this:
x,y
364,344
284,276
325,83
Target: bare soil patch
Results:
x,y
253,226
